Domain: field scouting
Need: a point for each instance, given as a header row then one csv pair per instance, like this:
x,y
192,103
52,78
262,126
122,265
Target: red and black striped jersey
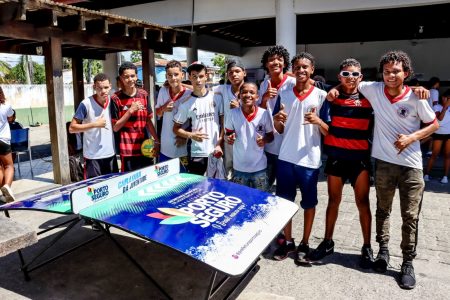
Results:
x,y
350,128
133,133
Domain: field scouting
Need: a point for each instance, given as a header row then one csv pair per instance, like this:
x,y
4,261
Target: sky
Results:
x,y
178,54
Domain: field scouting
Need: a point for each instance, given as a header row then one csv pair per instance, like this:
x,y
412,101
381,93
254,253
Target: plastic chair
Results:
x,y
20,144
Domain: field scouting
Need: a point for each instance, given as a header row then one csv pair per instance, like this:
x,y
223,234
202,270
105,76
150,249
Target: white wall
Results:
x,y
427,56
179,12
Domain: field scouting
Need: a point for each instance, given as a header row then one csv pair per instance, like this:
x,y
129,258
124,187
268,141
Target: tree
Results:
x,y
91,67
27,72
136,56
220,60
5,68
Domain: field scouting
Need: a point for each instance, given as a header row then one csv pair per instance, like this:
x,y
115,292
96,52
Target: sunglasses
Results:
x,y
348,74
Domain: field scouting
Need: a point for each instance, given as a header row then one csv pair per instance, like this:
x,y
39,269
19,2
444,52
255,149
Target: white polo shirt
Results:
x,y
203,112
287,83
168,147
247,155
301,142
444,125
394,116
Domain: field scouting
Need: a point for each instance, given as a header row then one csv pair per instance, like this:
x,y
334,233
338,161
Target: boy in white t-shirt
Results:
x,y
300,152
229,95
169,99
275,62
248,129
93,118
205,113
398,159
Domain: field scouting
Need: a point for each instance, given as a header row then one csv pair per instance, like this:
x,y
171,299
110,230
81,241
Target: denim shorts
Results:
x,y
257,180
289,176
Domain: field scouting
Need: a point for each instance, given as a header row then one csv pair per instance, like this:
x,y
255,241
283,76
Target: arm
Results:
x,y
137,105
76,126
440,115
313,118
404,140
165,107
266,139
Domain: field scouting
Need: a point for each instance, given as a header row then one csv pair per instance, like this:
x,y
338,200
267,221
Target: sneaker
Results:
x,y
2,200
325,248
426,178
407,277
302,254
382,261
284,250
444,180
366,261
8,193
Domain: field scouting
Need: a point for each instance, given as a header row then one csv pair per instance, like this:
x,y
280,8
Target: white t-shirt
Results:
x,y
444,125
5,133
287,83
301,142
434,97
247,155
226,94
204,114
401,115
168,147
98,143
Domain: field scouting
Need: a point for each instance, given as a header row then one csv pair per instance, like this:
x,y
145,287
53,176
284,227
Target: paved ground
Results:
x,y
99,271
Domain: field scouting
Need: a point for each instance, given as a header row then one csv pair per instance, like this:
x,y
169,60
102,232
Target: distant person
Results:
x,y
93,118
248,129
131,117
441,138
6,162
13,125
433,85
169,99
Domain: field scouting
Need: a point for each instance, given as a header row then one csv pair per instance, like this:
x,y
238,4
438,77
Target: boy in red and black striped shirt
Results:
x,y
131,115
347,147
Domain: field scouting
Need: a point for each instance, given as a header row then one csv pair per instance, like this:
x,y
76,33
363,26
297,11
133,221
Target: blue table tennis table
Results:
x,y
215,222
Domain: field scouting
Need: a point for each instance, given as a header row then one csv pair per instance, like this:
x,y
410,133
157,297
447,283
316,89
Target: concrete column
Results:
x,y
111,67
286,25
192,53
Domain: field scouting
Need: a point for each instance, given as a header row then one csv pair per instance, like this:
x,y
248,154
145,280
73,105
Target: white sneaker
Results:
x,y
444,179
426,178
8,193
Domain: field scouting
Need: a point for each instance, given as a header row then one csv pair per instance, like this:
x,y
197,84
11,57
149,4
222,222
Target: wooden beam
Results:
x,y
55,99
77,81
119,29
97,26
72,23
148,75
42,18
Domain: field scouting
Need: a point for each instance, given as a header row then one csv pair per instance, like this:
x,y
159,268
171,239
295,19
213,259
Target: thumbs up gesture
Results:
x,y
260,140
269,94
101,122
311,117
281,116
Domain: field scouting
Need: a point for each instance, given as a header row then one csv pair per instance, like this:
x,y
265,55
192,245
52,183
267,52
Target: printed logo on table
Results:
x,y
97,194
171,216
161,170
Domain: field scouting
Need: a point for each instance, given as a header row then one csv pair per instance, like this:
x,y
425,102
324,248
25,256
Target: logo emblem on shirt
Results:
x,y
403,112
125,107
357,102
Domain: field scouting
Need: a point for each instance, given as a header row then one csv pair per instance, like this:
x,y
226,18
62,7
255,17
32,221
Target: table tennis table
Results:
x,y
215,222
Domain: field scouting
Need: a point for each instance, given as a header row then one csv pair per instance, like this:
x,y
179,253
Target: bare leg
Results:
x,y
335,185
308,223
362,202
437,144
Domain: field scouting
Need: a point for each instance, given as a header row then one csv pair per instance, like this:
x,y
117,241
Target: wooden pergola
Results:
x,y
55,30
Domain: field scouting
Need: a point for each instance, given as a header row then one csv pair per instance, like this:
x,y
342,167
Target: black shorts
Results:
x,y
198,165
4,148
441,137
131,163
347,169
102,166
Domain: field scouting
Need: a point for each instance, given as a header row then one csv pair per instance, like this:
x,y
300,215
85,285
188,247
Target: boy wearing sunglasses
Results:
x,y
347,148
398,159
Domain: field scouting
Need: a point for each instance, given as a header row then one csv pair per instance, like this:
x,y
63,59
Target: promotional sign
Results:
x,y
222,224
120,185
56,200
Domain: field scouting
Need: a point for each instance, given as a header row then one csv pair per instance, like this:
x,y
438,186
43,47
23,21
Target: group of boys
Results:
x,y
275,133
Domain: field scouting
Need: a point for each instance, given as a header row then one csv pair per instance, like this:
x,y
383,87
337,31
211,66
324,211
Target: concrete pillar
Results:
x,y
286,25
192,53
111,67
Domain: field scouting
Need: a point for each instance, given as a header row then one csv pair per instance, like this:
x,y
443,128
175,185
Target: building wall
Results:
x,y
427,56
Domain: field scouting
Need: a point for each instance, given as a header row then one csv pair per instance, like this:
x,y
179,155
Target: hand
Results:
x,y
169,106
135,106
218,152
421,92
231,138
403,141
332,94
180,141
260,140
198,135
446,102
234,103
100,122
270,92
281,116
312,118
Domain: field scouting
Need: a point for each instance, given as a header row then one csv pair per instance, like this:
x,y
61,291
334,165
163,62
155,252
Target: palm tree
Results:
x,y
5,68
